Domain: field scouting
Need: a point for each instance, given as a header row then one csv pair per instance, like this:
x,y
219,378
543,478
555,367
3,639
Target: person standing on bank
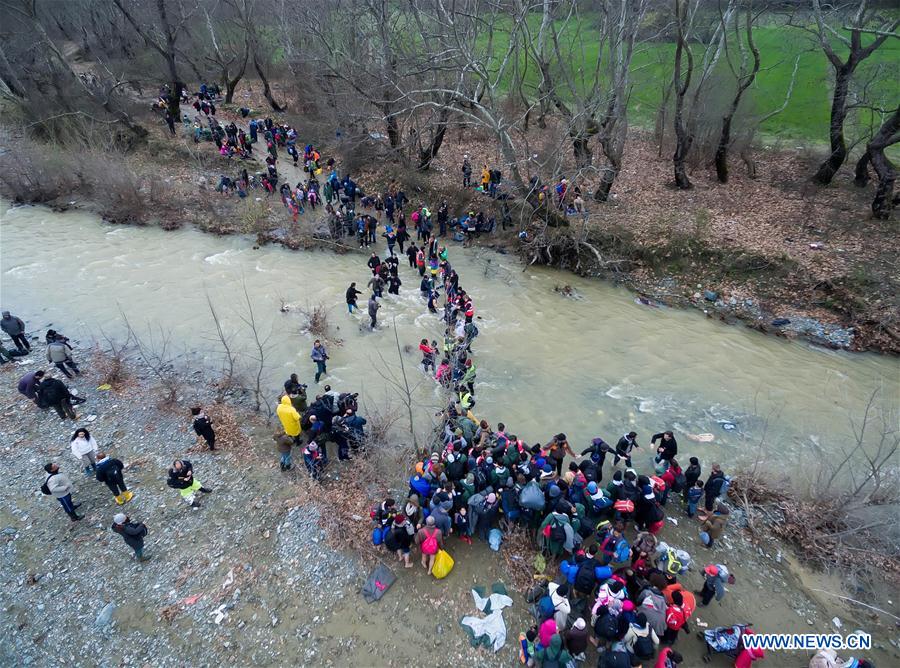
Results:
x,y
59,352
109,472
60,487
132,533
15,328
181,477
84,449
203,427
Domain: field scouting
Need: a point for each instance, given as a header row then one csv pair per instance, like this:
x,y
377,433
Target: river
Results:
x,y
597,364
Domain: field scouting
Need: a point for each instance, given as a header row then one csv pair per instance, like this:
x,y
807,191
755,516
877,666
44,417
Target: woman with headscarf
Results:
x,y
576,638
413,511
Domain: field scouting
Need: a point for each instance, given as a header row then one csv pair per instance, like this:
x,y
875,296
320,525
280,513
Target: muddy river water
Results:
x,y
594,364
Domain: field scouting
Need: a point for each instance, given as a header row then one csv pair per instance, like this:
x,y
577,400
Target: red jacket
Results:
x,y
677,615
669,476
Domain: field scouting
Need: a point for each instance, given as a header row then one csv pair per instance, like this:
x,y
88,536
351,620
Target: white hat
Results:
x,y
119,518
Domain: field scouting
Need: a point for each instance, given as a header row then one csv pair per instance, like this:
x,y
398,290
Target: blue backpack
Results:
x,y
623,551
546,609
723,493
378,534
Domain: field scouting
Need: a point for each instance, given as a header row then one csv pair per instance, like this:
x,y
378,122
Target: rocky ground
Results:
x,y
252,576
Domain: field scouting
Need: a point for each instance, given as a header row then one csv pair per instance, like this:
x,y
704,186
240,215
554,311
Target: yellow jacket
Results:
x,y
290,418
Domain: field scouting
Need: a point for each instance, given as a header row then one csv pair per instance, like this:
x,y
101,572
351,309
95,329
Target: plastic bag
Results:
x,y
532,496
443,564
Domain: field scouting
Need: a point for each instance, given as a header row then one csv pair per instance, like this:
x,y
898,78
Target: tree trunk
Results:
x,y
888,134
267,90
584,157
607,178
861,173
838,154
749,162
231,84
683,138
429,153
393,129
722,149
683,141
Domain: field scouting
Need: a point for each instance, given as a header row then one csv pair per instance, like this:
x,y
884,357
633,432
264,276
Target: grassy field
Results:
x,y
806,115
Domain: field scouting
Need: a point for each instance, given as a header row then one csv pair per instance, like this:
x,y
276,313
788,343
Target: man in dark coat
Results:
x,y
132,533
53,392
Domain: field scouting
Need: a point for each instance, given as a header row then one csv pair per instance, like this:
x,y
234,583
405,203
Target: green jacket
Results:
x,y
469,375
555,652
554,548
468,489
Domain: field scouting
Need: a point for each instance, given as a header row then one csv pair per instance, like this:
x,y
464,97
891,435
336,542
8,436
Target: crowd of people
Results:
x,y
480,480
620,587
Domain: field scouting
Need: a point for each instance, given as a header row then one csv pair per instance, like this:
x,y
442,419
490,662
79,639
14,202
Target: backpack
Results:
x,y
546,609
679,482
557,532
430,544
481,479
607,627
552,662
378,535
723,492
643,647
44,488
623,551
584,578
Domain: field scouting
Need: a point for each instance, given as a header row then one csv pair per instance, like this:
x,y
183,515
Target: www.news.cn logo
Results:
x,y
807,641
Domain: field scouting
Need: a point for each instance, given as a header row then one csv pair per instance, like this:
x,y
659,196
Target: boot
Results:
x,y
119,499
144,558
87,471
206,490
195,504
128,496
75,516
282,467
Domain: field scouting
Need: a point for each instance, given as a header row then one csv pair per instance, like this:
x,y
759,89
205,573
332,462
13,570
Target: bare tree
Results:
x,y
687,74
829,31
260,352
745,74
591,100
229,356
365,52
888,135
400,384
162,34
156,352
681,84
42,81
229,55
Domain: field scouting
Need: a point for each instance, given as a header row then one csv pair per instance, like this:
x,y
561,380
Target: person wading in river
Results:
x,y
373,307
351,295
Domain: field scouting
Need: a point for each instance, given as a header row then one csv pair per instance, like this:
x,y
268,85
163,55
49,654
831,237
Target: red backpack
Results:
x,y
430,544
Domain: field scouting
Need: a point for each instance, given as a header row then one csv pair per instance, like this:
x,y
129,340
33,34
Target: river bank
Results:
x,y
770,252
252,575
